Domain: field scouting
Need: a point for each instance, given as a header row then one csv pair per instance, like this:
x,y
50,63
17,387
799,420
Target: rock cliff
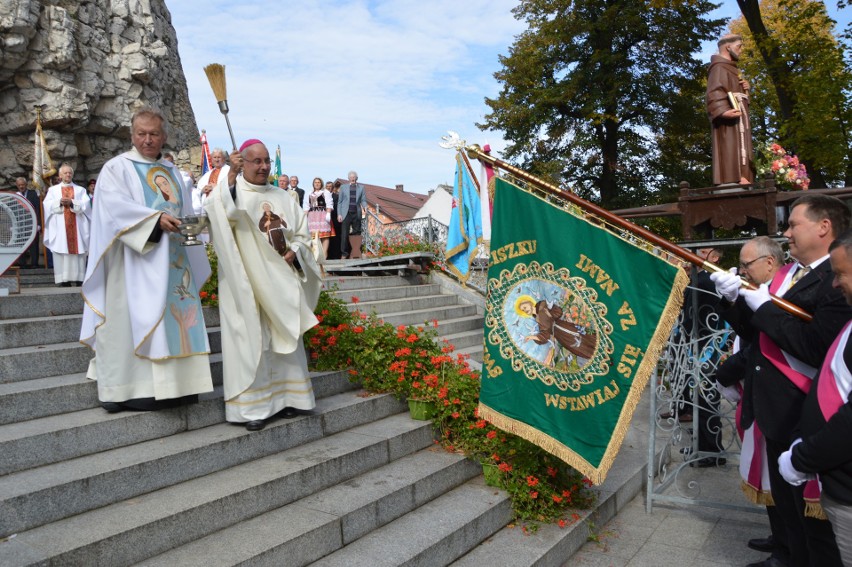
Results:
x,y
90,64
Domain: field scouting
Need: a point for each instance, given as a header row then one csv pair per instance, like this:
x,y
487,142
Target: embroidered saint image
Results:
x,y
273,226
551,328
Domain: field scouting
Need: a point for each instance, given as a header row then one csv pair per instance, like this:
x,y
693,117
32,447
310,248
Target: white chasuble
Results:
x,y
142,314
265,304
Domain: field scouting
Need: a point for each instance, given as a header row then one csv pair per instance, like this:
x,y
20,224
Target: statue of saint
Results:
x,y
727,106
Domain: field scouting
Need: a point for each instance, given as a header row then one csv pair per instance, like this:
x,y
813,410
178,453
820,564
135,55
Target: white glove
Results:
x,y
727,284
790,474
730,393
328,217
755,298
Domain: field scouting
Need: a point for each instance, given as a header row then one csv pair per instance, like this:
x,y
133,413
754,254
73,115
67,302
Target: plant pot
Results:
x,y
422,410
492,474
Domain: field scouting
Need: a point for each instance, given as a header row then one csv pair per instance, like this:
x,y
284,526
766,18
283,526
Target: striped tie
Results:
x,y
800,273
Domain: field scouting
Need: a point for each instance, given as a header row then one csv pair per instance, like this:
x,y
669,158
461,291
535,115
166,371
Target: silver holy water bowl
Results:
x,y
190,227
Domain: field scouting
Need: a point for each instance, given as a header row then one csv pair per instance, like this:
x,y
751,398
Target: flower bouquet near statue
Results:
x,y
790,174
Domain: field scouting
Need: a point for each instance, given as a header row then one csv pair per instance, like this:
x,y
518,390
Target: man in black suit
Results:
x,y
789,351
29,259
294,186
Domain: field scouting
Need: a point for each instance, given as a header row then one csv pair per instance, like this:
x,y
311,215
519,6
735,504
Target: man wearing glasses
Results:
x,y
268,288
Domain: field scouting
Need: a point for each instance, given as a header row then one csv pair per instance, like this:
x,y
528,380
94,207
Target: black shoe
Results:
x,y
113,407
768,562
708,462
256,425
64,284
765,544
288,412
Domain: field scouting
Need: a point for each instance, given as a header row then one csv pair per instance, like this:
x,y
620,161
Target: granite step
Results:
x,y
475,352
381,307
48,493
464,339
42,302
45,440
38,331
460,324
436,533
322,523
134,528
391,292
428,316
343,283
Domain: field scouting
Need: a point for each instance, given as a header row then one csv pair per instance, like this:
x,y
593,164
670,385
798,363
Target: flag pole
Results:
x,y
474,151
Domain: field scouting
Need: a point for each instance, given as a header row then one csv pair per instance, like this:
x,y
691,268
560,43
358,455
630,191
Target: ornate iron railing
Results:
x,y
429,234
690,415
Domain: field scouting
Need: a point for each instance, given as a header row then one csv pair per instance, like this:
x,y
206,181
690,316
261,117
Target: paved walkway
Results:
x,y
678,534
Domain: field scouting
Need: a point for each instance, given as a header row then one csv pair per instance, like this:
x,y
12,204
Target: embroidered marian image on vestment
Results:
x,y
160,181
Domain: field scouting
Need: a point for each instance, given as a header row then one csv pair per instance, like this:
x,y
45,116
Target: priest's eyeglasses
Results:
x,y
746,265
259,161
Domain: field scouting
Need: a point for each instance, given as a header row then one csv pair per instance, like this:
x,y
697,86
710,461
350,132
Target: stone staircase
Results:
x,y
79,486
355,482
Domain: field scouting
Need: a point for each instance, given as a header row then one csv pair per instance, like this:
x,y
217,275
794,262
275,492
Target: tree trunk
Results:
x,y
779,74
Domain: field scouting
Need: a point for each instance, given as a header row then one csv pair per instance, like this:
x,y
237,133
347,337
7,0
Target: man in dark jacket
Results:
x,y
29,259
790,350
824,446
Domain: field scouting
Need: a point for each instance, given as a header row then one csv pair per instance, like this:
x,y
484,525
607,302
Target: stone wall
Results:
x,y
90,64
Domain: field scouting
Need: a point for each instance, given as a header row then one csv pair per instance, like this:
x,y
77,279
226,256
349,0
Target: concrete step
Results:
x,y
154,522
51,439
31,399
42,302
34,362
381,307
474,352
436,533
45,494
392,292
29,363
459,324
464,339
552,546
428,316
41,330
318,525
37,278
343,283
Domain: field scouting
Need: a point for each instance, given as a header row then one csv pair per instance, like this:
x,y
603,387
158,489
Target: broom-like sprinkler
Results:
x,y
216,75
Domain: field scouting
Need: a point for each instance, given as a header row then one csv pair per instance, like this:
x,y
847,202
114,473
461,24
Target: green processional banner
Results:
x,y
576,317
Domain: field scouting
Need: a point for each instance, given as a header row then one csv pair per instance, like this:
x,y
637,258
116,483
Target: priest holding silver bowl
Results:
x,y
190,227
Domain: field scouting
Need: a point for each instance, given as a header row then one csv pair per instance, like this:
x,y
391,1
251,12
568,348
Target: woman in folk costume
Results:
x,y
320,207
265,302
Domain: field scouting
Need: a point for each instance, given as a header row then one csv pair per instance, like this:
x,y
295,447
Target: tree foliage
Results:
x,y
800,84
587,89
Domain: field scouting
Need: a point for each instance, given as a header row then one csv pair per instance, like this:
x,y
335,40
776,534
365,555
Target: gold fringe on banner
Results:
x,y
658,341
759,497
813,509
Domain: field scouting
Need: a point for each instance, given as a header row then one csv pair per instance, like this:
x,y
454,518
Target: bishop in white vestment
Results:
x,y
265,302
143,315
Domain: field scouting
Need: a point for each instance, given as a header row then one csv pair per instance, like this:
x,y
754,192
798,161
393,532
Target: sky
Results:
x,y
364,85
